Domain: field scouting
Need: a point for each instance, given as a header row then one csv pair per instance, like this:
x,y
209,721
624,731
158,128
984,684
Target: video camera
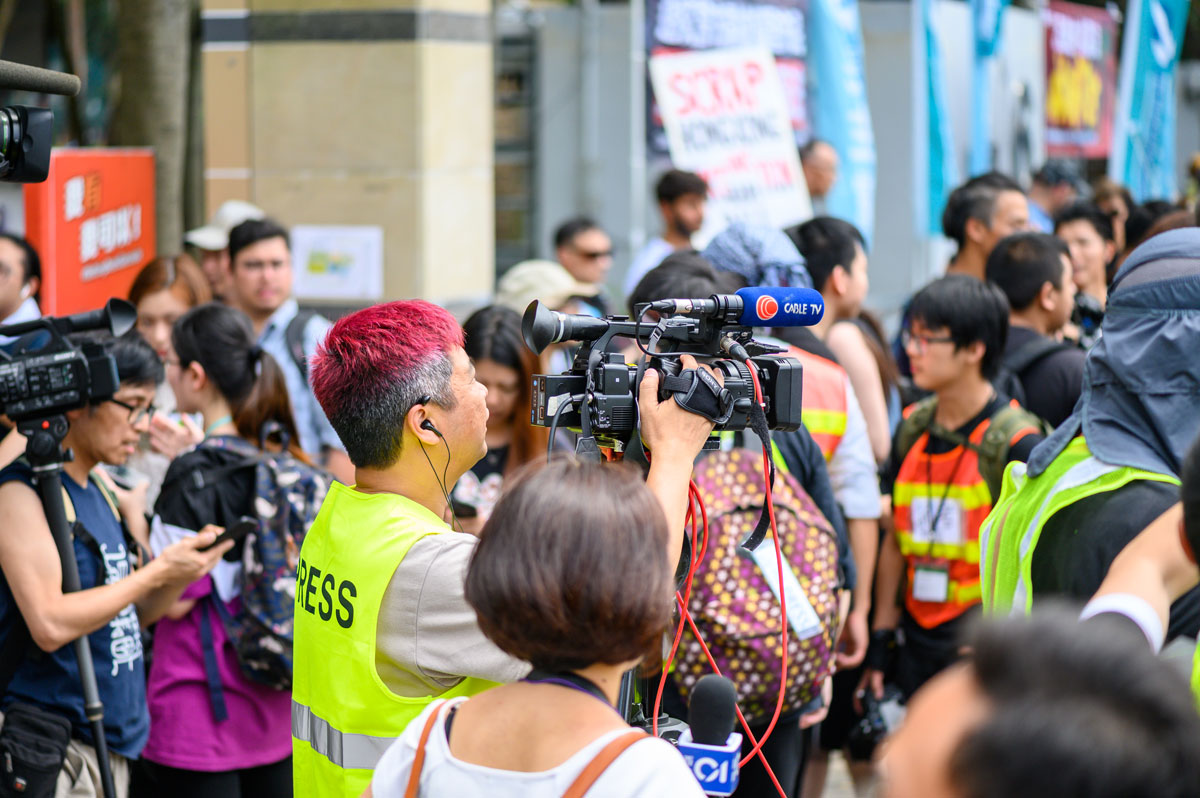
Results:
x,y
49,374
27,133
598,395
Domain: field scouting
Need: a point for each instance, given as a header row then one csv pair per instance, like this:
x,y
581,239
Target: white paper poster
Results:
x,y
337,262
727,119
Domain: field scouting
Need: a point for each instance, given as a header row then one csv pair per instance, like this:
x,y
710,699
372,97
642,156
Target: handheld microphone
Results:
x,y
710,747
754,307
21,77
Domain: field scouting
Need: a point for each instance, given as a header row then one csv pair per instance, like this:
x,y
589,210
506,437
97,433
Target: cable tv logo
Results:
x,y
766,307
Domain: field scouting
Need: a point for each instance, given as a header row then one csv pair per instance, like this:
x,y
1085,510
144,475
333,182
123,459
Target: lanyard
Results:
x,y
567,679
933,522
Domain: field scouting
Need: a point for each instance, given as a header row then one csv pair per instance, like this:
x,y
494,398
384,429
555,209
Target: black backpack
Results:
x,y
293,336
1015,363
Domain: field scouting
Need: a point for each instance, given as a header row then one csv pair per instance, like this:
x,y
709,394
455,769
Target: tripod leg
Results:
x,y
50,488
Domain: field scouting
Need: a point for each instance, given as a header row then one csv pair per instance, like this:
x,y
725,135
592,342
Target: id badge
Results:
x,y
931,581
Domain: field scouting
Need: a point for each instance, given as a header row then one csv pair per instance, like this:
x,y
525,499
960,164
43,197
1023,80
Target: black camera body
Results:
x,y
614,409
48,377
598,395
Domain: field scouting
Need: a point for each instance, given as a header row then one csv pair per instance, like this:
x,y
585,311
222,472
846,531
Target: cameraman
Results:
x,y
115,600
382,623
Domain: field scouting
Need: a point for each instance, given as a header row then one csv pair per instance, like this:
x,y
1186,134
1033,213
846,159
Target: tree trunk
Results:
x,y
153,60
194,213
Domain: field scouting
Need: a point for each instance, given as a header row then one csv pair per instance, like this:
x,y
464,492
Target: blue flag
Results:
x,y
1143,154
943,171
838,99
986,16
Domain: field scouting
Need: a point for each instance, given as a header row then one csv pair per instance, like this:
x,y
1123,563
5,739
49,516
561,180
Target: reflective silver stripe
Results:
x,y
1076,477
350,751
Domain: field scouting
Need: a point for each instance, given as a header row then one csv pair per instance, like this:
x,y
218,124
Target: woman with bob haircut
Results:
x,y
580,603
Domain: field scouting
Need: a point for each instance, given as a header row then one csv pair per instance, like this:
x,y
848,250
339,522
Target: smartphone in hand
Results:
x,y
235,532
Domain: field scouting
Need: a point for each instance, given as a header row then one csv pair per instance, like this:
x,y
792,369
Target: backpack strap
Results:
x,y
414,777
914,425
293,336
997,440
212,672
594,769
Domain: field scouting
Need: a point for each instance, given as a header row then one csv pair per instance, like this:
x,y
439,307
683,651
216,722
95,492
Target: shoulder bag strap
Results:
x,y
601,761
414,778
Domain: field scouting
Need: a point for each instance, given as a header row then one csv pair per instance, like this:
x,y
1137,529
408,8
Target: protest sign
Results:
x,y
1081,77
726,119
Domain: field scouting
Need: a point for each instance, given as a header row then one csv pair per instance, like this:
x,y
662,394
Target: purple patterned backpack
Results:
x,y
732,603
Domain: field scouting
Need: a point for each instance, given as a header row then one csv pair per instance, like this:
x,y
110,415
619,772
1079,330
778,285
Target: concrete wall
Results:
x,y
903,259
1187,121
373,112
588,146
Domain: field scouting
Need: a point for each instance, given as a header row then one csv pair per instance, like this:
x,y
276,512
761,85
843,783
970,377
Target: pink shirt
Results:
x,y
183,732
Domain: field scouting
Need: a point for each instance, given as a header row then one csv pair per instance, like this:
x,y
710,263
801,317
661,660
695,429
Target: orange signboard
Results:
x,y
92,222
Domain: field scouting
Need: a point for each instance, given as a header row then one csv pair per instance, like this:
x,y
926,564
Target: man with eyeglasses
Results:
x,y
261,287
942,476
117,597
586,251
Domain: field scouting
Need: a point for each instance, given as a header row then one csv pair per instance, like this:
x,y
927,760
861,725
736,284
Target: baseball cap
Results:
x,y
215,234
543,280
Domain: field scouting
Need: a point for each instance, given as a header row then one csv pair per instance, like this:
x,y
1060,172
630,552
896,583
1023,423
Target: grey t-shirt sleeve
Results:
x,y
428,637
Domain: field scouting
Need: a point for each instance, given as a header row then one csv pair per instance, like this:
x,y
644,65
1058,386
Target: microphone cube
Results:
x,y
714,766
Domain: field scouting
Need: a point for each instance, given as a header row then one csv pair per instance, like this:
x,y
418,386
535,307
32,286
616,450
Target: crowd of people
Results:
x,y
429,596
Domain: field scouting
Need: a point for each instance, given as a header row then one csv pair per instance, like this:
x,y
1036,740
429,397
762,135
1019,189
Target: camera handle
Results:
x,y
45,454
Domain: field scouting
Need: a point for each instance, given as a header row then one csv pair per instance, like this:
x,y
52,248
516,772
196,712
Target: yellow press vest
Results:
x,y
343,716
1010,533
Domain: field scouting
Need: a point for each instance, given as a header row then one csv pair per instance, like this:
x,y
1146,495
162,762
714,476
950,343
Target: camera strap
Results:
x,y
697,391
758,423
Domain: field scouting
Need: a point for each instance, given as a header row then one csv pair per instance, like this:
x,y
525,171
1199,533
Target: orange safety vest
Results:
x,y
823,405
948,499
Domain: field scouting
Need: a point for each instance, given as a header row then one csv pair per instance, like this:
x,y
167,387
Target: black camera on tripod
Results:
x,y
49,374
598,395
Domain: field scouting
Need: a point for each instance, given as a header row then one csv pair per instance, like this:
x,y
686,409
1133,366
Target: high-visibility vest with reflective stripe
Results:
x,y
343,716
947,487
1196,676
823,403
1010,534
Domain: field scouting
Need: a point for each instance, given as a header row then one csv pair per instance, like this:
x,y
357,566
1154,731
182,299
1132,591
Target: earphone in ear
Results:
x,y
25,292
427,424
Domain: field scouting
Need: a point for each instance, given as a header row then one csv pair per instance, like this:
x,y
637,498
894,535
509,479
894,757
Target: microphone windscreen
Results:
x,y
712,710
781,307
21,77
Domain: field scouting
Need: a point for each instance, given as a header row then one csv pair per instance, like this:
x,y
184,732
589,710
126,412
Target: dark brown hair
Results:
x,y
494,333
179,274
221,339
571,568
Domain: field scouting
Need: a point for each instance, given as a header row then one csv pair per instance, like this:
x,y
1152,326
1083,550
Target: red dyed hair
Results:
x,y
367,353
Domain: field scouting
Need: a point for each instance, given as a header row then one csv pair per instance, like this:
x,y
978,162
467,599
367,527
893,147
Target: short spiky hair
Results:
x,y
374,365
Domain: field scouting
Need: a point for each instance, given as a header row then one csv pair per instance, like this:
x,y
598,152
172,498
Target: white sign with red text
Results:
x,y
727,119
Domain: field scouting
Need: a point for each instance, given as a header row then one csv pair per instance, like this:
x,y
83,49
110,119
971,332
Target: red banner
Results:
x,y
92,222
1081,80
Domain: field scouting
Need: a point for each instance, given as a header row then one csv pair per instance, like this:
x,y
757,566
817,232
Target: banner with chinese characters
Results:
x,y
674,26
1081,80
726,120
92,222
